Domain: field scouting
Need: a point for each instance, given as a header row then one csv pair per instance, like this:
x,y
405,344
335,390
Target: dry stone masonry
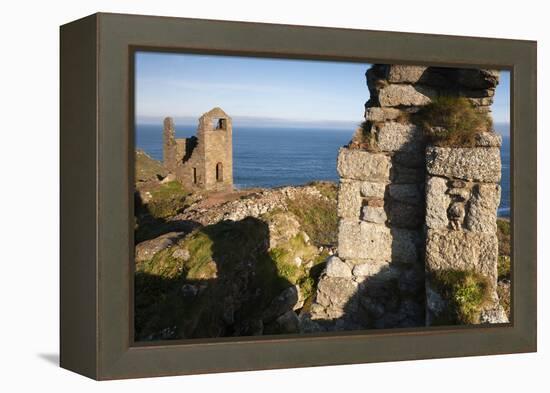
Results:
x,y
462,199
204,161
407,209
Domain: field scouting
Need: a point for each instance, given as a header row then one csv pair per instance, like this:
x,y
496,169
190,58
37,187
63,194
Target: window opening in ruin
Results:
x,y
219,171
194,175
221,124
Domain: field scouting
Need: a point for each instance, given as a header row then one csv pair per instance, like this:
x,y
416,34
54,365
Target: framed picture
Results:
x,y
242,196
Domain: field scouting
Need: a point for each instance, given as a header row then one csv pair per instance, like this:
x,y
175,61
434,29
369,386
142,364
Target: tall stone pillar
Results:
x,y
462,198
169,145
377,278
408,211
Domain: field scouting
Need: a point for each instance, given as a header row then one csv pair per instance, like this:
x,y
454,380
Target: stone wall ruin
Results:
x,y
407,209
204,161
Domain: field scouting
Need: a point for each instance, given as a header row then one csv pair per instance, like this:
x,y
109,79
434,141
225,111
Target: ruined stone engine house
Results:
x,y
204,161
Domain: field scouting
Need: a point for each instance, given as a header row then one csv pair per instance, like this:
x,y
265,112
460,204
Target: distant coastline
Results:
x,y
270,157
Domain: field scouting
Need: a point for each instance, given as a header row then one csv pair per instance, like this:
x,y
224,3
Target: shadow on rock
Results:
x,y
217,281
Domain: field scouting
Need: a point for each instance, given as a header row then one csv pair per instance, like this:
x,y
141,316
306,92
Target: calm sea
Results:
x,y
274,156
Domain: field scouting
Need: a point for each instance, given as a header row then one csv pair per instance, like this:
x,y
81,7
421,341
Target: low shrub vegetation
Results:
x,y
364,137
167,200
466,292
317,217
452,122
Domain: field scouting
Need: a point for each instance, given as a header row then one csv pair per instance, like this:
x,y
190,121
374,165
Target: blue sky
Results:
x,y
277,90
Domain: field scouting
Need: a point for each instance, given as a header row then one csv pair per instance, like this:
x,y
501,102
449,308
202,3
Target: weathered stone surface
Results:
x,y
476,93
351,193
458,184
364,240
405,73
456,211
337,268
335,292
374,190
181,253
482,208
404,215
146,250
377,114
434,303
363,165
282,227
368,241
371,268
406,95
411,280
374,202
483,101
307,325
406,193
404,246
288,323
404,175
289,299
459,194
493,315
411,158
478,78
460,250
349,199
373,214
488,139
393,136
478,164
437,203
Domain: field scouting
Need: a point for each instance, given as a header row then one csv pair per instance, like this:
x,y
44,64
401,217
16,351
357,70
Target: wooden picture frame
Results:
x,y
97,204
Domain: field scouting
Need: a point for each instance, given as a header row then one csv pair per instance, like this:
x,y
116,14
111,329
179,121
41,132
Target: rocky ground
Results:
x,y
247,262
226,264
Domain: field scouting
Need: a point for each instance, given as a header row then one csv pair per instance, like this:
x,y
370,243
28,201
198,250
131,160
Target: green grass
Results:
x,y
167,200
327,189
162,265
465,292
452,122
317,217
228,260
